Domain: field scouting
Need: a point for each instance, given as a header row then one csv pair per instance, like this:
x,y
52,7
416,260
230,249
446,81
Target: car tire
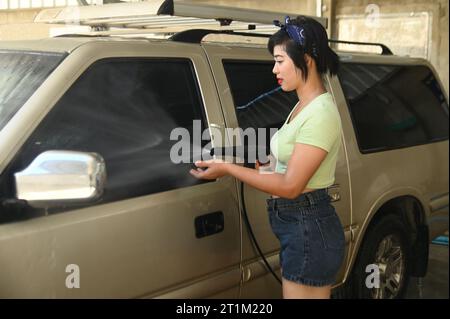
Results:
x,y
384,254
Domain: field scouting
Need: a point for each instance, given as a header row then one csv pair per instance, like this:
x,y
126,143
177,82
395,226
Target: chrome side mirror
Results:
x,y
61,177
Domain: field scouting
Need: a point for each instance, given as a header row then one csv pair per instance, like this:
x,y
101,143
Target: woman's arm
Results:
x,y
302,165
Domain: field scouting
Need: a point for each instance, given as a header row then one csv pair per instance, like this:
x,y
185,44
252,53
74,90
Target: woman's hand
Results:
x,y
267,167
259,165
211,169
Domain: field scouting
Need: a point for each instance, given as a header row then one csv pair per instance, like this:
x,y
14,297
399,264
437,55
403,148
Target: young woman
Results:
x,y
306,148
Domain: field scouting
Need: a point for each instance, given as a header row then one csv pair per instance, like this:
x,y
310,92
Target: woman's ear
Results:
x,y
308,60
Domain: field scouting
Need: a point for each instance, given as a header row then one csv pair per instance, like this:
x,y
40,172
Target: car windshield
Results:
x,y
21,74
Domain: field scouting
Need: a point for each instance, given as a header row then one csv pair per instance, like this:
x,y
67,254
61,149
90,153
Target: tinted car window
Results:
x,y
394,106
258,99
124,110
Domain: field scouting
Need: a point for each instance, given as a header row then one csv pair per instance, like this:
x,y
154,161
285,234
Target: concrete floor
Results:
x,y
435,285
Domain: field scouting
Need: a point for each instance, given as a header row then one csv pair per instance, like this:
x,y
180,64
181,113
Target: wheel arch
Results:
x,y
409,205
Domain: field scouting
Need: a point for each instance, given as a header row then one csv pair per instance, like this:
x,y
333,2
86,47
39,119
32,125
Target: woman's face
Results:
x,y
288,75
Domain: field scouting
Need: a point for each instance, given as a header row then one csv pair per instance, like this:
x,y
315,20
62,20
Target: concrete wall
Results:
x,y
441,61
18,25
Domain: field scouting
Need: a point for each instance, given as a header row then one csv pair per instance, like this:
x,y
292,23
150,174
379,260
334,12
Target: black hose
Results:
x,y
252,235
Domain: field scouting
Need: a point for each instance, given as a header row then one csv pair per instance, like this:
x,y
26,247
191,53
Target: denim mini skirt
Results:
x,y
312,242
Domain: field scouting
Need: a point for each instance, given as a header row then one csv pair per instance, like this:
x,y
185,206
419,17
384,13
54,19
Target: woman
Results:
x,y
306,148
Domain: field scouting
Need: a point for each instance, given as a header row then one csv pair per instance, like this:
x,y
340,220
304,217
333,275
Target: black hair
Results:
x,y
315,45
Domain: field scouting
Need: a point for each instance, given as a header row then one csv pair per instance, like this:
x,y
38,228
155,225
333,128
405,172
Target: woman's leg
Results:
x,y
292,290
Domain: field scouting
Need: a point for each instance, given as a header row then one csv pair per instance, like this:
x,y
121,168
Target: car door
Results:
x,y
156,231
251,98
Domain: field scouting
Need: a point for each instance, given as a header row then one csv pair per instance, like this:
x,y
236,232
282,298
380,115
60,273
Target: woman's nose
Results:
x,y
274,69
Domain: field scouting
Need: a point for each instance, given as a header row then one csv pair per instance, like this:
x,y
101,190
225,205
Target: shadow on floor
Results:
x,y
435,284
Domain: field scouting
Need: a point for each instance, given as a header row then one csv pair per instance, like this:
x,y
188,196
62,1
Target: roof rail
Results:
x,y
384,49
196,36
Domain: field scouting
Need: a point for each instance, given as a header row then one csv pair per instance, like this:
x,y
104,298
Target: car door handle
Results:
x,y
209,224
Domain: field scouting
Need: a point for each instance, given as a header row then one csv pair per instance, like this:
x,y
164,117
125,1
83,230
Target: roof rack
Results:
x,y
225,15
159,13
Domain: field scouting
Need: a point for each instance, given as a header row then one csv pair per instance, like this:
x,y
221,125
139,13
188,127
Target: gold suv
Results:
x,y
92,204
